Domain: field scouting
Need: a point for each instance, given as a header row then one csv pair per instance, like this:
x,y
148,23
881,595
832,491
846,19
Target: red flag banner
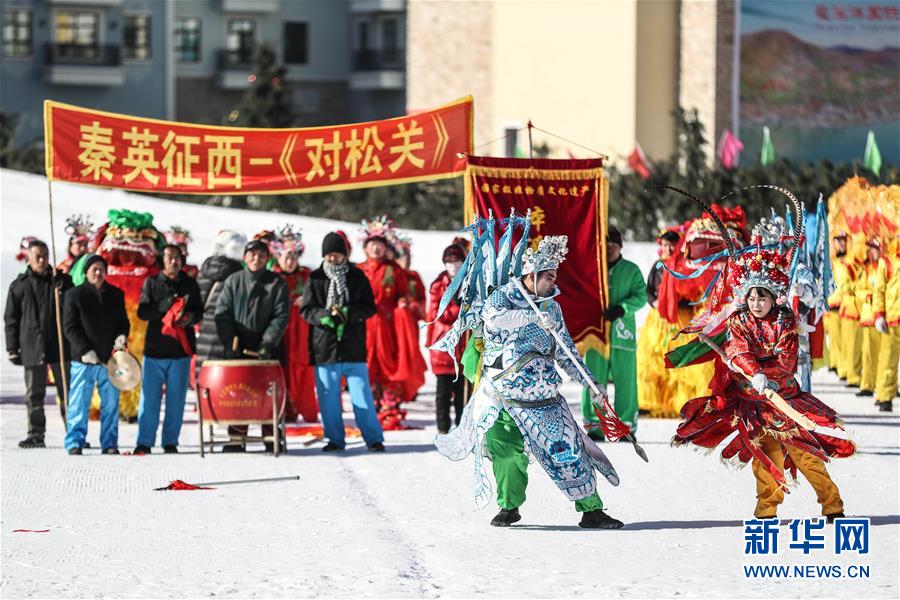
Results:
x,y
132,153
566,197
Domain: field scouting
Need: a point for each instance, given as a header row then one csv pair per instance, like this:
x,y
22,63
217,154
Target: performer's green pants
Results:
x,y
621,369
507,449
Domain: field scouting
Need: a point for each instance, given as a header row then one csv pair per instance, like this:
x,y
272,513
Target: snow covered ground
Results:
x,y
401,524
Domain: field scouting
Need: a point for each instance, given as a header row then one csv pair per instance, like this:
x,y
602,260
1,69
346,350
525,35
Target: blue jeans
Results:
x,y
83,379
174,373
328,389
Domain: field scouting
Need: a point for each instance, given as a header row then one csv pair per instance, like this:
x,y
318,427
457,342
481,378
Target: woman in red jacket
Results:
x,y
300,375
449,386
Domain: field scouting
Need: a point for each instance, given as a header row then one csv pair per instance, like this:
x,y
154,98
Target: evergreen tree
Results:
x,y
266,103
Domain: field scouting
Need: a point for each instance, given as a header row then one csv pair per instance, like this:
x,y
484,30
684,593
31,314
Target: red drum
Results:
x,y
236,392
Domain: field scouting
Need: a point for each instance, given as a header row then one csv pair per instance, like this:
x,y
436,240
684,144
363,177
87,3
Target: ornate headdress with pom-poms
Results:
x,y
765,264
288,239
402,243
79,227
178,235
550,254
378,228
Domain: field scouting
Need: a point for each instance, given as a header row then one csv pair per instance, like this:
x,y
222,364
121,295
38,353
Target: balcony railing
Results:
x,y
235,60
385,59
93,55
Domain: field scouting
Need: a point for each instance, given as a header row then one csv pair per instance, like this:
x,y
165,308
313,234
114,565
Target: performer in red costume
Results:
x,y
288,247
410,310
81,232
755,395
450,383
389,284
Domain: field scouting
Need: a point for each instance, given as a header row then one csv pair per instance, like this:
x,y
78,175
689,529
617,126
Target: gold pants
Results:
x,y
851,358
888,357
768,493
833,329
870,348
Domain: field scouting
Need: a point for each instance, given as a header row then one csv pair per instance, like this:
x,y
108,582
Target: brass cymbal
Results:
x,y
124,371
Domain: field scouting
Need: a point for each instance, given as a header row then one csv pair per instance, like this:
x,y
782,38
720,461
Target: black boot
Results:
x,y
170,449
886,406
32,442
864,393
332,447
505,518
834,516
597,519
141,450
74,451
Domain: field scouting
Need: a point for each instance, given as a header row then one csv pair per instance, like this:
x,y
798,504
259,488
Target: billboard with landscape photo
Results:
x,y
820,75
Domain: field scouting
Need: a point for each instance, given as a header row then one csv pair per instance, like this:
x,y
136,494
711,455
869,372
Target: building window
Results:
x,y
389,40
240,42
137,37
362,38
187,39
16,33
295,43
76,34
77,28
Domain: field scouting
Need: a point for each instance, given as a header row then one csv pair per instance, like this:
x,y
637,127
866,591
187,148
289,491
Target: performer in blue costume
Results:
x,y
517,401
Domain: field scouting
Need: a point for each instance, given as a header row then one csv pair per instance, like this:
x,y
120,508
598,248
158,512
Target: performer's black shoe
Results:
x,y
141,450
110,451
832,369
597,519
830,518
505,518
170,449
32,442
886,406
852,385
376,447
234,448
864,393
332,447
74,451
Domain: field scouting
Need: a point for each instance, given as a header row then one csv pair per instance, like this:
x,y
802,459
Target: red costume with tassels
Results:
x,y
410,361
300,376
389,284
761,350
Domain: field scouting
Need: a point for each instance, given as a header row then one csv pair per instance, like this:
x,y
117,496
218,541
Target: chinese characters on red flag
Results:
x,y
121,151
566,197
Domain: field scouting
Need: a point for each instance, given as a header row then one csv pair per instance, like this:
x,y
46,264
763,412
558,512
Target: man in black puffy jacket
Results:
x,y
336,302
32,339
96,325
226,257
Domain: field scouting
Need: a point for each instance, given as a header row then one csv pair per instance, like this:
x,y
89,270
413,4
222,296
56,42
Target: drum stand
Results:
x,y
278,423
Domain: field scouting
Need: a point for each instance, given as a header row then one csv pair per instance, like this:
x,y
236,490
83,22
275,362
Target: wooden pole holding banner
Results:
x,y
530,143
57,297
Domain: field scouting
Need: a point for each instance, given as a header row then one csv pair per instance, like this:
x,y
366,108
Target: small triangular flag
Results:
x,y
767,152
872,158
